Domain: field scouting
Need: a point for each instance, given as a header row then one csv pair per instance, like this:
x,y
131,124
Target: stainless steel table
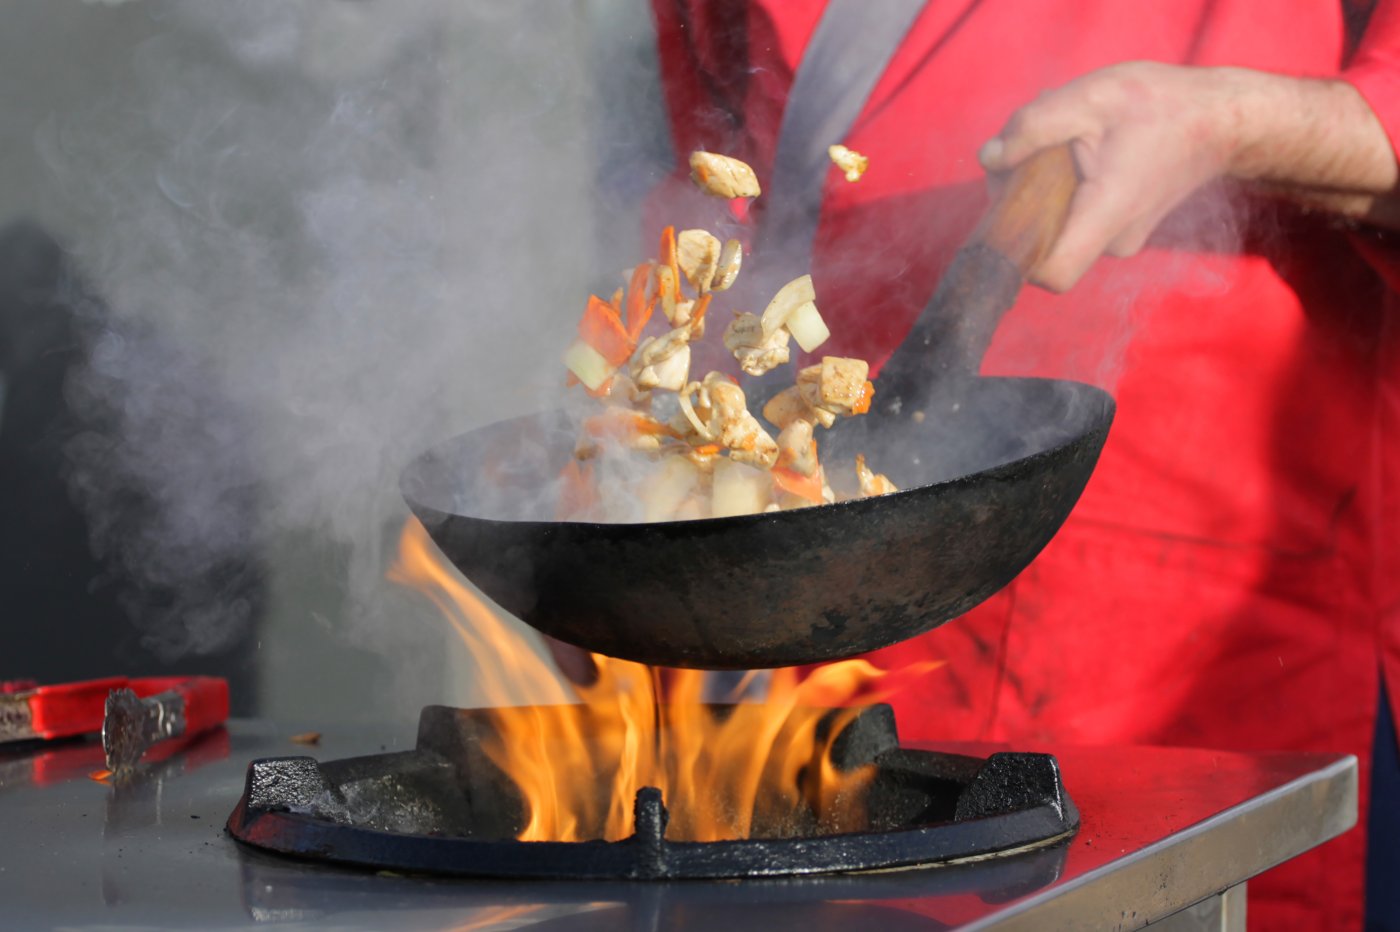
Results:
x,y
1169,836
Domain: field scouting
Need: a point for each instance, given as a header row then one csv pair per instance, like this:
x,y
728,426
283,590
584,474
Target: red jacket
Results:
x,y
1231,577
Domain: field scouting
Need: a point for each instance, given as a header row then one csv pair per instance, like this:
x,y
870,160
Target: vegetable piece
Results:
x,y
663,493
697,254
638,306
666,291
731,257
602,329
588,365
789,297
739,489
807,327
723,176
795,483
849,161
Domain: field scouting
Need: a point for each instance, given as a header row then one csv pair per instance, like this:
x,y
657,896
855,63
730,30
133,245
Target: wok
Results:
x,y
776,589
990,468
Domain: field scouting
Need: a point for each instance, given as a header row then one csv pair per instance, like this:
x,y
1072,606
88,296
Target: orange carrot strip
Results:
x,y
669,257
862,404
622,423
571,380
708,449
792,481
638,307
601,328
697,313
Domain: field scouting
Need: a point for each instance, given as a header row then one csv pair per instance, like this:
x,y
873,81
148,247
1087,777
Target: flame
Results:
x,y
579,758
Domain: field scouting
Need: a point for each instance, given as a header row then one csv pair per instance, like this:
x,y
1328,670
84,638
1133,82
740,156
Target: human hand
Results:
x,y
1145,136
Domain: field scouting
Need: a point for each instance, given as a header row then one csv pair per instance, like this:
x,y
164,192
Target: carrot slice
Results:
x,y
697,313
669,258
601,328
638,307
792,481
862,404
623,423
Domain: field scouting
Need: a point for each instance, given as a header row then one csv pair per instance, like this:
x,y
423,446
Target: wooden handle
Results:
x,y
1030,213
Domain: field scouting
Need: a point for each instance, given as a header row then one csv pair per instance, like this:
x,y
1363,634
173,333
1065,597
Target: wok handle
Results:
x,y
1026,220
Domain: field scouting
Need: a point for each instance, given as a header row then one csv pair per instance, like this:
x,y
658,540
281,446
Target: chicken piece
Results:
x,y
836,384
872,483
849,161
731,257
735,427
797,450
789,404
664,361
625,388
723,176
757,353
697,252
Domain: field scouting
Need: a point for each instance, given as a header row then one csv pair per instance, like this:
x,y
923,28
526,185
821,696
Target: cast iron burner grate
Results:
x,y
443,808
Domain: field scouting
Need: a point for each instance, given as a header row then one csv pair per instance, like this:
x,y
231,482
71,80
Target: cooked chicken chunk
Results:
x,y
735,427
697,253
872,483
756,352
849,161
664,361
797,450
836,384
789,404
723,176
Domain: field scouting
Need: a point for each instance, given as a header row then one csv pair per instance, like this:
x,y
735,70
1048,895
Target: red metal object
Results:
x,y
63,710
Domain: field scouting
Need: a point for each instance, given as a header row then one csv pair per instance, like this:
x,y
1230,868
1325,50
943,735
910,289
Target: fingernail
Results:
x,y
990,153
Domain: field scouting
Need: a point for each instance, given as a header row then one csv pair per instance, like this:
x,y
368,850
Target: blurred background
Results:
x,y
254,256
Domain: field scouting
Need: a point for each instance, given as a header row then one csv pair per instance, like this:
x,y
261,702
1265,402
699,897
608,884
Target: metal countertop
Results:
x,y
1162,828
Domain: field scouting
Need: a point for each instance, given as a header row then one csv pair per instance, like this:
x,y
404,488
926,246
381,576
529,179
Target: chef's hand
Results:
x,y
1146,136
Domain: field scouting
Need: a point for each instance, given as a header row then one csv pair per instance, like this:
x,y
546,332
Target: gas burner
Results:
x,y
444,808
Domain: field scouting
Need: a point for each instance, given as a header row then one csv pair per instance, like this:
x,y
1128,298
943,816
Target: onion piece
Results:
x,y
588,364
789,297
731,257
684,398
740,489
807,327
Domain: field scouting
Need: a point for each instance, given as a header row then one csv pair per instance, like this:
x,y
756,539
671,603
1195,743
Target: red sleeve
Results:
x,y
1375,72
1375,69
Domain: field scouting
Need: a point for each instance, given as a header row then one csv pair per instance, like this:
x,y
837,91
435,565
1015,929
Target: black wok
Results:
x,y
990,467
774,589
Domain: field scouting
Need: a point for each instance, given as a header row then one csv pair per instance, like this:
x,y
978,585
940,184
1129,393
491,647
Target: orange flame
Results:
x,y
579,759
